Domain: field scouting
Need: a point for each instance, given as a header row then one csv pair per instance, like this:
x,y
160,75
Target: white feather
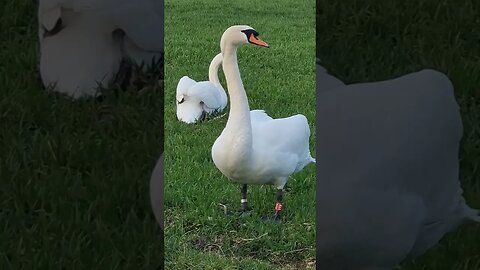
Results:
x,y
196,98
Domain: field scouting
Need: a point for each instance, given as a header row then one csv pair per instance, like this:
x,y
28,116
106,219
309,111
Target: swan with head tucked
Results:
x,y
86,44
197,99
254,148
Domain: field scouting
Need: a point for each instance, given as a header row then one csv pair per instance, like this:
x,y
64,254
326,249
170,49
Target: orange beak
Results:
x,y
255,40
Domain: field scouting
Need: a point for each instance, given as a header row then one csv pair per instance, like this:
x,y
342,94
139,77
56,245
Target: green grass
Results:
x,y
74,175
280,80
377,40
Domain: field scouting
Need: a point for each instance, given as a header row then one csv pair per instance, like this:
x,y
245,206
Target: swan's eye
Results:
x,y
250,32
181,101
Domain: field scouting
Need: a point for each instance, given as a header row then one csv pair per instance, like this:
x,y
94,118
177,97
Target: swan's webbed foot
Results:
x,y
245,213
276,218
240,213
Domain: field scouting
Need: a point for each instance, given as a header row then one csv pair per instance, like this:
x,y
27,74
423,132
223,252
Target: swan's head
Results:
x,y
190,109
241,34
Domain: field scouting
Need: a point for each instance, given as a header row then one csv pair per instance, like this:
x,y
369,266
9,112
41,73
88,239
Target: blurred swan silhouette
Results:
x,y
83,43
388,183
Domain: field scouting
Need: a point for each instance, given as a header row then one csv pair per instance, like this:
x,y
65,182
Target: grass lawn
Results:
x,y
74,175
384,39
280,80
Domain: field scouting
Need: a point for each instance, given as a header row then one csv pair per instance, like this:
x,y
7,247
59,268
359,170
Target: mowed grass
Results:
x,y
280,80
377,40
74,175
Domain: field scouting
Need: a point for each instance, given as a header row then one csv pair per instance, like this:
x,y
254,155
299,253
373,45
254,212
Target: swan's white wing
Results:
x,y
208,93
287,134
287,137
182,87
257,116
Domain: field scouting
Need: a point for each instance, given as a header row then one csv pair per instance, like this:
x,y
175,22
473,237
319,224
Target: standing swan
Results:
x,y
253,148
197,99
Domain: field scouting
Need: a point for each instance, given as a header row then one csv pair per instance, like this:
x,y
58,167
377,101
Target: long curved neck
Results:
x,y
213,76
239,116
213,69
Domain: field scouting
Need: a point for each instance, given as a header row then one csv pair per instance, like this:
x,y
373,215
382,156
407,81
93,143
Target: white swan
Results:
x,y
389,187
80,47
254,148
197,99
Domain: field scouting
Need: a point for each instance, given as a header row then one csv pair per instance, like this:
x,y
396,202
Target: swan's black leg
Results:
x,y
278,206
203,116
243,201
244,211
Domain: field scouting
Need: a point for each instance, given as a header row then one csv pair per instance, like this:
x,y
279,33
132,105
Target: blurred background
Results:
x,y
74,175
